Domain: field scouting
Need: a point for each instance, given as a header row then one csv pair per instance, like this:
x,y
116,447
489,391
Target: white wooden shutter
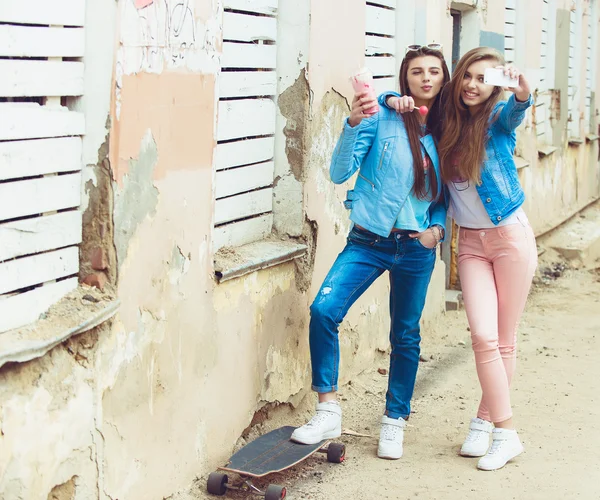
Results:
x,y
547,65
590,66
510,30
380,43
574,66
246,123
40,155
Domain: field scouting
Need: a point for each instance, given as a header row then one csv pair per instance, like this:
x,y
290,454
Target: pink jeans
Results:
x,y
496,267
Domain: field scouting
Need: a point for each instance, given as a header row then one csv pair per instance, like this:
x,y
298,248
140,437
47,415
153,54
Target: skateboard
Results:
x,y
273,452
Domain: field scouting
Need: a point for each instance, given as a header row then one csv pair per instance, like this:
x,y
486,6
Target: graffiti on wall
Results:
x,y
164,34
156,33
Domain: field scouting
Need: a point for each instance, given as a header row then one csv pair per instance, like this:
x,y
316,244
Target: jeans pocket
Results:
x,y
431,249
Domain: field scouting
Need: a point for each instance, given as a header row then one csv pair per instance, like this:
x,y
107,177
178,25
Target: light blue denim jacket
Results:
x,y
500,190
379,149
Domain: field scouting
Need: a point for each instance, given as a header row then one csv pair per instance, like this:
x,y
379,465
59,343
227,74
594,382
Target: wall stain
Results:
x,y
138,197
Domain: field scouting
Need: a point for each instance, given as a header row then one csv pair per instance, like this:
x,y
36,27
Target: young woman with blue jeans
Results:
x,y
398,210
497,250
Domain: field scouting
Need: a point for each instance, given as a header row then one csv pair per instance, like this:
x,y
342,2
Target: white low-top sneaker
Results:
x,y
391,438
325,424
478,440
506,445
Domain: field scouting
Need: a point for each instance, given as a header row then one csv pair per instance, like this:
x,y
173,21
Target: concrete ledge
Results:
x,y
591,138
544,151
578,240
233,262
79,311
520,162
575,141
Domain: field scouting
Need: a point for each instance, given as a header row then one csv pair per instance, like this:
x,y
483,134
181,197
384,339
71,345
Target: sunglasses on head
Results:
x,y
432,46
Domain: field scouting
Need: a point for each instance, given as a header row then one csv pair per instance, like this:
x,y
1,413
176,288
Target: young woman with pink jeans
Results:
x,y
497,251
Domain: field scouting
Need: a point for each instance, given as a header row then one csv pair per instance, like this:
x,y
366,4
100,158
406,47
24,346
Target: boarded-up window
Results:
x,y
510,31
41,42
246,123
380,46
547,65
574,90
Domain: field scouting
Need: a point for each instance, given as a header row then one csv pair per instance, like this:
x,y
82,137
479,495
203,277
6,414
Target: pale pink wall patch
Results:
x,y
140,4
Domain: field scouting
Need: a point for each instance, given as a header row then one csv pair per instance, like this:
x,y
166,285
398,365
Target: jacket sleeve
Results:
x,y
513,113
438,210
351,148
383,98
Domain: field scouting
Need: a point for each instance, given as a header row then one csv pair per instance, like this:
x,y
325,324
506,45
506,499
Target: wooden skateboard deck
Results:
x,y
273,452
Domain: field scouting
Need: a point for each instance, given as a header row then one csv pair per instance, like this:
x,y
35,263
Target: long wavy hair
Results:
x,y
413,124
461,148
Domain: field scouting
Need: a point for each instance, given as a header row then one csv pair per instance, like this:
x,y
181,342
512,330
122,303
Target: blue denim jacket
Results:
x,y
379,149
500,190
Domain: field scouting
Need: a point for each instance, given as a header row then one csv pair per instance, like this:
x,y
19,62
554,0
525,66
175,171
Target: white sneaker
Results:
x,y
478,439
391,438
326,424
506,445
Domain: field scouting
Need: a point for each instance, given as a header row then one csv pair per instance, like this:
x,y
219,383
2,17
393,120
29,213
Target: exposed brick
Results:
x,y
99,259
96,279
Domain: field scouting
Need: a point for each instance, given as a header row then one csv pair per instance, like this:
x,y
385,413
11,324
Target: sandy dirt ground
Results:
x,y
556,400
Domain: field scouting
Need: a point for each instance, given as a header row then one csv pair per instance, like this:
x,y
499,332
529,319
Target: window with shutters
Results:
x,y
574,90
510,24
41,43
590,66
380,43
543,100
246,123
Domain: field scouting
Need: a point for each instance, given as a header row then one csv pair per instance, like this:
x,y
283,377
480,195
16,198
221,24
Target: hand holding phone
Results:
x,y
496,77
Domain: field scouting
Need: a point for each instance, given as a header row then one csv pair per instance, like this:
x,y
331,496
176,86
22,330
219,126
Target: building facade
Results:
x,y
175,153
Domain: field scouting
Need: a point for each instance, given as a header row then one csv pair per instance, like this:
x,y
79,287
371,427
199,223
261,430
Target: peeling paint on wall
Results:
x,y
47,438
294,106
138,197
326,129
97,251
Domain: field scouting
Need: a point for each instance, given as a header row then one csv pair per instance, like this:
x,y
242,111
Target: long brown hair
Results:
x,y
462,145
413,124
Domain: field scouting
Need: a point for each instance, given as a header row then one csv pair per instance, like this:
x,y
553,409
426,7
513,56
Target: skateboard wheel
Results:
x,y
275,492
217,483
336,452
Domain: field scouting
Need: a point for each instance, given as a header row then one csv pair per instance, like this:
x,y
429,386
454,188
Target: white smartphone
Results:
x,y
496,76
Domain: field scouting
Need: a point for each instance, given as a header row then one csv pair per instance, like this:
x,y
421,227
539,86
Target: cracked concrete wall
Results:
x,y
48,436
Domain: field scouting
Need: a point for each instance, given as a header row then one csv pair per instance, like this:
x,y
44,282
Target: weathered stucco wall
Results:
x,y
139,407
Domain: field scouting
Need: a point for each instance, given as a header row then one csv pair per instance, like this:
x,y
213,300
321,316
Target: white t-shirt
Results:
x,y
468,211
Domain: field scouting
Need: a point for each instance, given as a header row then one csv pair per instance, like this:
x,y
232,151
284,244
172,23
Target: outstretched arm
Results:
x,y
513,112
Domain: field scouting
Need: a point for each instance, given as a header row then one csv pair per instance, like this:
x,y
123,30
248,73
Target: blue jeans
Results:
x,y
365,258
